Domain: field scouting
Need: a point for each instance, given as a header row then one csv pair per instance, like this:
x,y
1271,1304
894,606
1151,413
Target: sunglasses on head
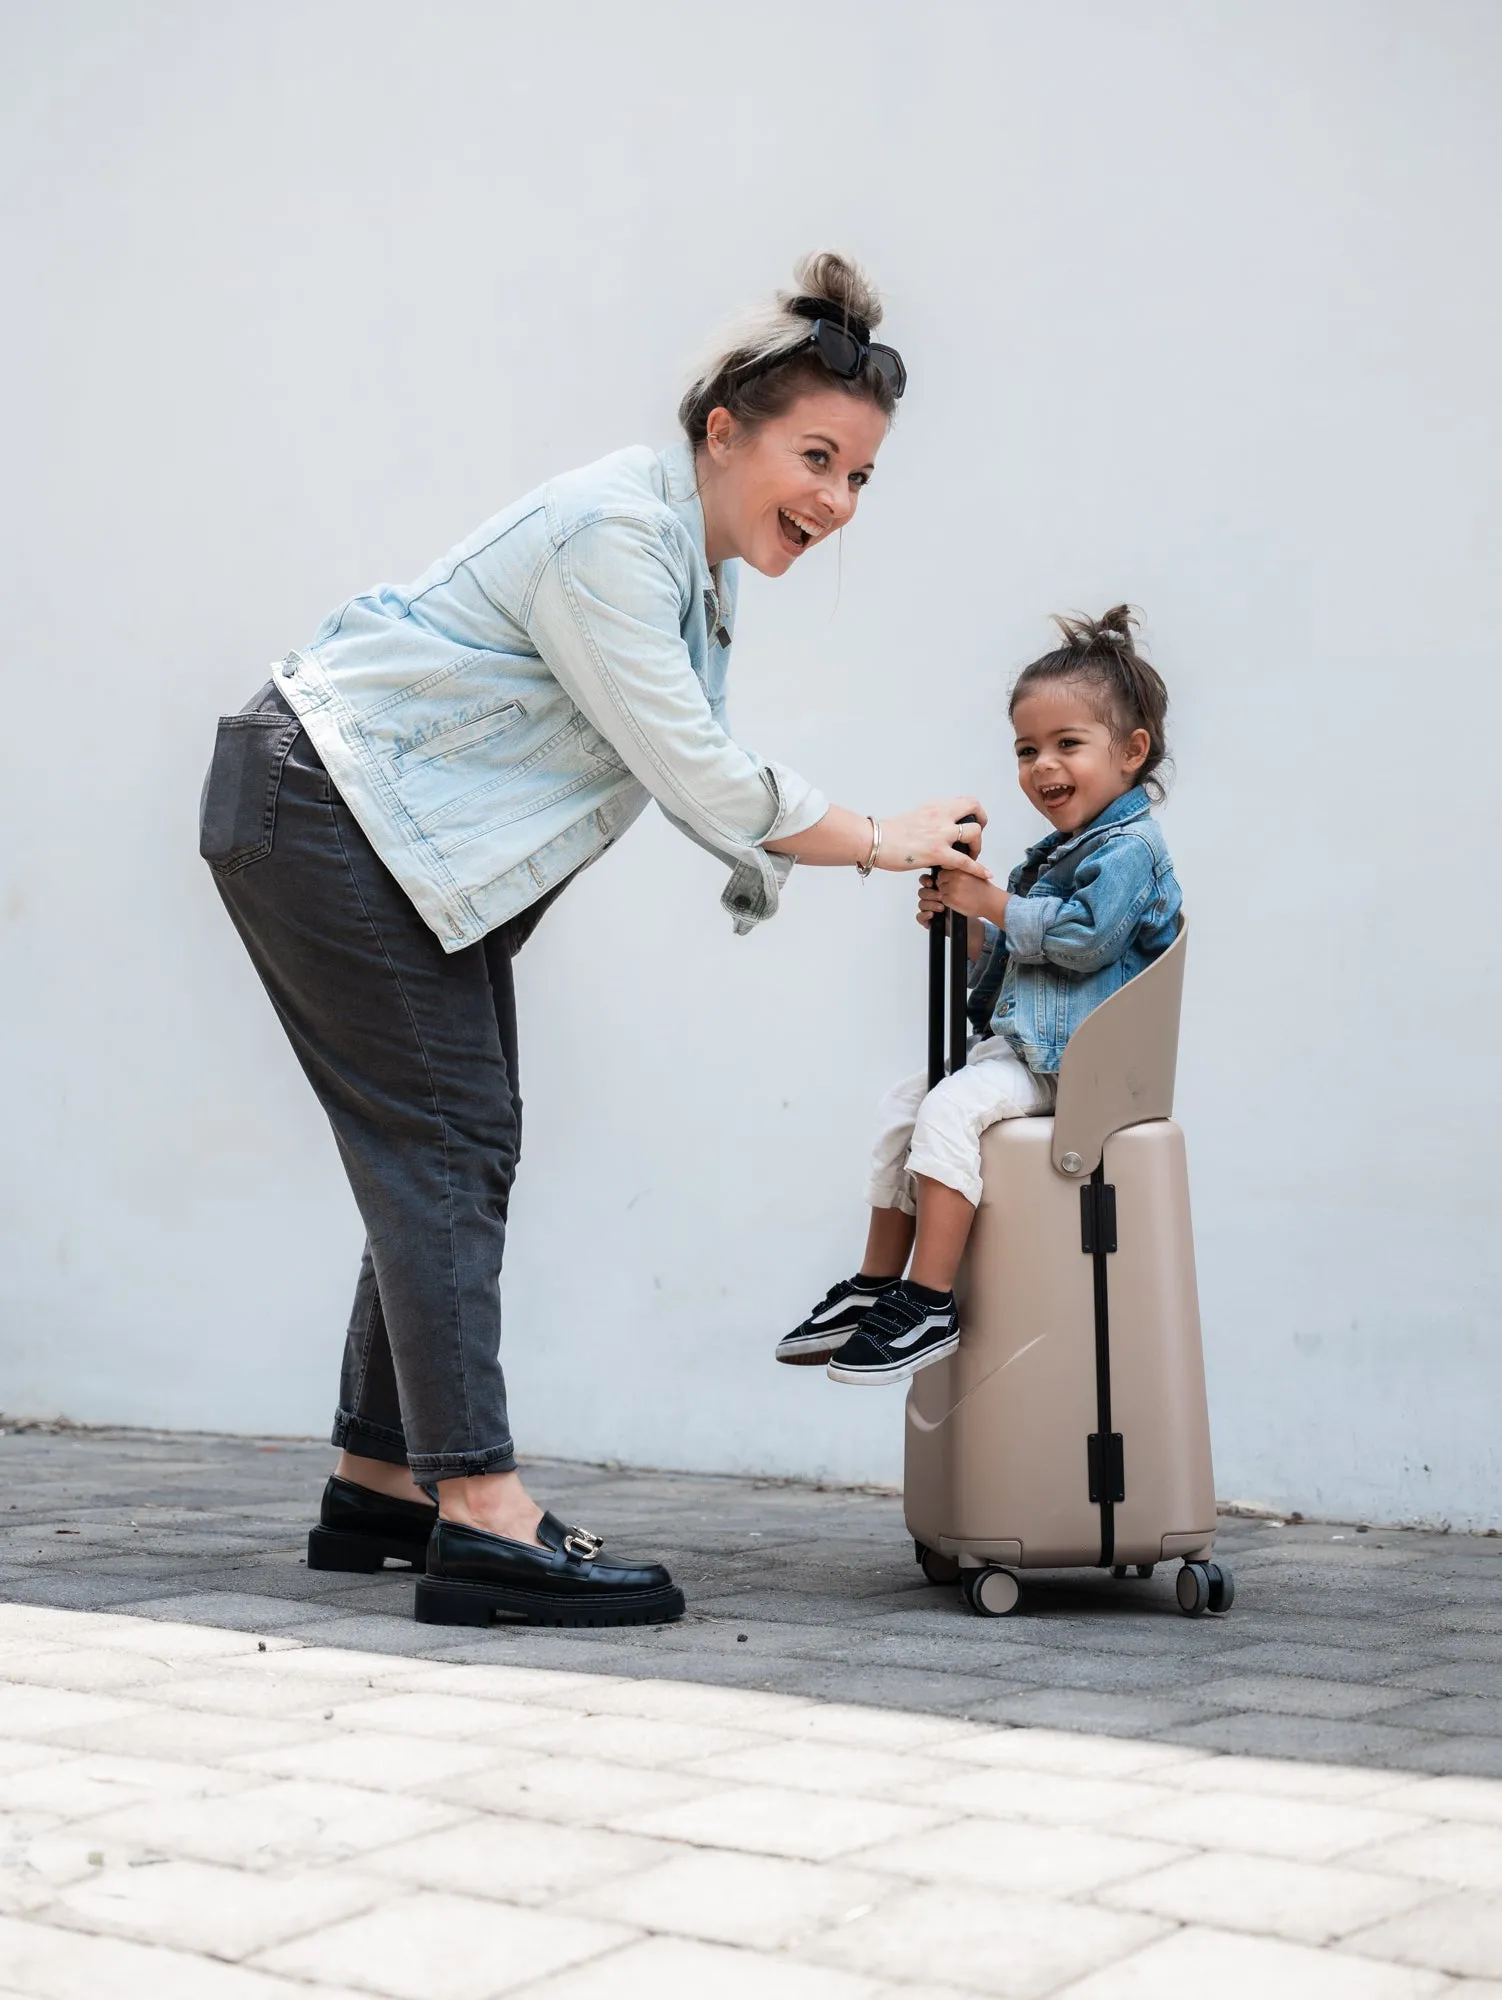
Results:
x,y
843,344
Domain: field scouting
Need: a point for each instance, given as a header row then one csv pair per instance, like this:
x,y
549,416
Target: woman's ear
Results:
x,y
719,434
1137,746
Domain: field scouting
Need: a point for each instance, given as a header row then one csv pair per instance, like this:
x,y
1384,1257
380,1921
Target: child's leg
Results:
x,y
889,1236
915,1322
945,1156
889,1239
944,1219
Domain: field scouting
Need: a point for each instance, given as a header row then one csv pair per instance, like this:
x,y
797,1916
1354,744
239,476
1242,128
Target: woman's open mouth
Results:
x,y
797,530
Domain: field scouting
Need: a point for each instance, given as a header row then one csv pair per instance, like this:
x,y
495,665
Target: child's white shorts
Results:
x,y
937,1132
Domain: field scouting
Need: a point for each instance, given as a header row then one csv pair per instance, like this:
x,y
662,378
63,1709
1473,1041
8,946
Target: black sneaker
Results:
x,y
832,1320
899,1335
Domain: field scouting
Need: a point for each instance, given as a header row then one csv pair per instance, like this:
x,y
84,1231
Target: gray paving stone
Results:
x,y
1380,1648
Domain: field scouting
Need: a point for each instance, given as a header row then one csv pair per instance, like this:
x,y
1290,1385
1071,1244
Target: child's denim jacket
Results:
x,y
1089,911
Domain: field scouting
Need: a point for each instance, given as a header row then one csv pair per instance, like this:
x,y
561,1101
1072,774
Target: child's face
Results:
x,y
1066,762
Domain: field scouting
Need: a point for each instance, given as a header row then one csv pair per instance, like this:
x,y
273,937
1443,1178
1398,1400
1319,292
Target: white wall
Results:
x,y
1202,308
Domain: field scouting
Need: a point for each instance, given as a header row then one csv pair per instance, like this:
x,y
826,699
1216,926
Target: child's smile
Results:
x,y
1068,762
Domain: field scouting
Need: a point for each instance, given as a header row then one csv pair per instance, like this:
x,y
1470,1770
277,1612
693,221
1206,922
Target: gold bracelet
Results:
x,y
863,870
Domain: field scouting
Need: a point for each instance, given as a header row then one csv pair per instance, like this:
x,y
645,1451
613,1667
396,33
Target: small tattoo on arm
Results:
x,y
912,861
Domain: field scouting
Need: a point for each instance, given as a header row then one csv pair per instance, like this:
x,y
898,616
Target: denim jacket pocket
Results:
x,y
237,810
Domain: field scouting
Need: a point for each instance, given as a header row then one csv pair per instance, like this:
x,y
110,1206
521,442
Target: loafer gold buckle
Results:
x,y
581,1543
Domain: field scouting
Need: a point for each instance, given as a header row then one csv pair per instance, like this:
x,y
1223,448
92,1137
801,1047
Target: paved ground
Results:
x,y
223,1778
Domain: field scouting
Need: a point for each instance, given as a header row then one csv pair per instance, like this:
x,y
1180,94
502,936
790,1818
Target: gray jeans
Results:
x,y
412,1052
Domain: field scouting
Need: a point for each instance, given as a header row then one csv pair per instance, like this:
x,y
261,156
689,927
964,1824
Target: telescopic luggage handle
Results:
x,y
954,926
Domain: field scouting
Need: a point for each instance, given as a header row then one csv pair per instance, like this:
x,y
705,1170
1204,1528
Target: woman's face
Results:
x,y
771,493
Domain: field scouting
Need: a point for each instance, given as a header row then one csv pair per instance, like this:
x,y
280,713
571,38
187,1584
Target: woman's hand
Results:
x,y
927,837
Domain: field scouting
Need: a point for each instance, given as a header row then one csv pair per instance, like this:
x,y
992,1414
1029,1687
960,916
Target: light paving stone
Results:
x,y
1284,1778
1478,1799
1254,1892
1261,1823
146,1635
79,1786
873,1728
756,1900
51,1712
666,1968
1461,1855
571,1790
153,1731
46,1964
678,1701
1069,1755
630,1739
271,1826
1057,1800
1197,1962
16,1758
377,1762
334,1663
240,1691
516,1860
1019,1858
814,1766
444,1947
1015,1946
223,1912
1460,1934
759,1819
454,1718
86,1669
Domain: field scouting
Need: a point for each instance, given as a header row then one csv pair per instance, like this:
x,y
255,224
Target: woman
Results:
x,y
390,816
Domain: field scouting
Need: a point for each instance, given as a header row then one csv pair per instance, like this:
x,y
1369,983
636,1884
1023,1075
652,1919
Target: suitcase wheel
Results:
x,y
991,1592
939,1569
1124,1570
1202,1587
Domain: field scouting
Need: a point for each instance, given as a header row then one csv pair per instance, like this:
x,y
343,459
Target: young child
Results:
x,y
1086,909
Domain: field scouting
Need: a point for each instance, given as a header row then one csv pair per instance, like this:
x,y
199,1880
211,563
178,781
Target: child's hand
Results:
x,y
930,902
957,890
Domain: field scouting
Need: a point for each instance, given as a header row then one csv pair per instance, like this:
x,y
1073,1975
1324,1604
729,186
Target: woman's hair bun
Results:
x,y
827,275
761,364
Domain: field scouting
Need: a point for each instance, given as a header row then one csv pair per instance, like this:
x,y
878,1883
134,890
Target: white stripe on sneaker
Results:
x,y
902,1340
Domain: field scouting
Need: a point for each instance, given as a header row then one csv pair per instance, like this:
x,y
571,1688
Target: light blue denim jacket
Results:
x,y
1089,911
498,723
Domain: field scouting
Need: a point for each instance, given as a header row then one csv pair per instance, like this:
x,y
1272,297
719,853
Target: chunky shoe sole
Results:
x,y
899,1371
328,1549
446,1601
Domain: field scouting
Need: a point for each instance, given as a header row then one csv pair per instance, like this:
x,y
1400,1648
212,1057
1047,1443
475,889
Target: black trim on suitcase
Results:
x,y
1105,1457
957,929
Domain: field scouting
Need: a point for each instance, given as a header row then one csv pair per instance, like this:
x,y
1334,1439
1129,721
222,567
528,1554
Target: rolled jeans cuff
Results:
x,y
921,1160
367,1440
429,1467
893,1189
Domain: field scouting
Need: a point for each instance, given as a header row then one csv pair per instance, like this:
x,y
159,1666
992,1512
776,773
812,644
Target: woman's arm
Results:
x,y
926,837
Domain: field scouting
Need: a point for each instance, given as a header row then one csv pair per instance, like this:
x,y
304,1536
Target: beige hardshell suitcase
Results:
x,y
1070,1427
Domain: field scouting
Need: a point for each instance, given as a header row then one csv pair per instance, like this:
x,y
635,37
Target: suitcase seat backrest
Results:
x,y
1118,1069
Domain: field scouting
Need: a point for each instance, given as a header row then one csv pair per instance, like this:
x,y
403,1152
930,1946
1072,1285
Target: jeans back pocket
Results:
x,y
237,812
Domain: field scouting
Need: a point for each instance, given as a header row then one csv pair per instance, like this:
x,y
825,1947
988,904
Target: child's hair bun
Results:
x,y
1113,630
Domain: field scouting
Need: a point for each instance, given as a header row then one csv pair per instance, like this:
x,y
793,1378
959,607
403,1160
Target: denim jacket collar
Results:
x,y
680,485
1134,804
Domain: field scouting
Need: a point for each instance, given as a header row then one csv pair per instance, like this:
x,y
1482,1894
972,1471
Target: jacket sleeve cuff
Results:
x,y
800,805
980,965
1026,923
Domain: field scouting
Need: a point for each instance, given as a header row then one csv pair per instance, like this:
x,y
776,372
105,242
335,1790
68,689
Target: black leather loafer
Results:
x,y
359,1529
473,1576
